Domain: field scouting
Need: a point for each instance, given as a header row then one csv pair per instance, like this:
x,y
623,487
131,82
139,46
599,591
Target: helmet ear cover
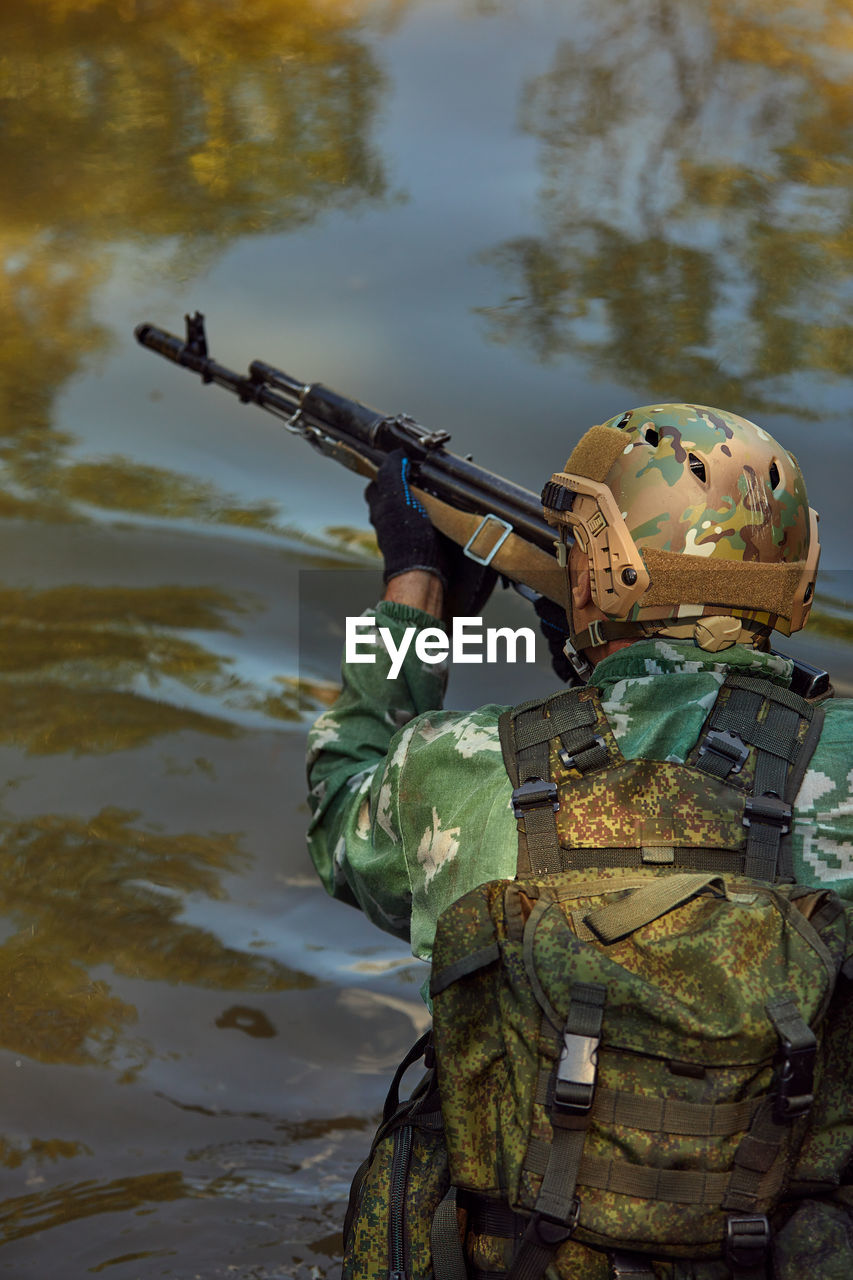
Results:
x,y
618,577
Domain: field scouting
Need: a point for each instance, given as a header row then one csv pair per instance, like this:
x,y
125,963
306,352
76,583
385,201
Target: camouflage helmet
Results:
x,y
694,521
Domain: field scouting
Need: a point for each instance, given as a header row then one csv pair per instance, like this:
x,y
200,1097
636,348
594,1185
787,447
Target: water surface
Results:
x,y
511,219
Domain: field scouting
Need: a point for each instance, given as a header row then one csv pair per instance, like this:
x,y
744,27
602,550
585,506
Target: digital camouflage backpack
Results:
x,y
642,1044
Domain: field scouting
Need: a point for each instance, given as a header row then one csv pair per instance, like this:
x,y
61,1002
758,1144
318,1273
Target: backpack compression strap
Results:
x,y
783,729
750,717
526,733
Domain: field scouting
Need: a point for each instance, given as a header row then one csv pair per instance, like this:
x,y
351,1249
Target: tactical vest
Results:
x,y
628,1037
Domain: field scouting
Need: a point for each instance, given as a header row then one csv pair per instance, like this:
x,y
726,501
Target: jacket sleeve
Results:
x,y
355,751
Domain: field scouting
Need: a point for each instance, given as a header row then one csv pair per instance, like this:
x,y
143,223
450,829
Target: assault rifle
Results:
x,y
496,522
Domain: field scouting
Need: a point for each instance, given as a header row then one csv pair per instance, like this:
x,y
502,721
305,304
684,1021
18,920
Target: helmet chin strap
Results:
x,y
581,665
713,633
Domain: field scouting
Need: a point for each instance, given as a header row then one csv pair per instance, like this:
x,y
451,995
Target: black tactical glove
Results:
x,y
404,531
554,626
408,540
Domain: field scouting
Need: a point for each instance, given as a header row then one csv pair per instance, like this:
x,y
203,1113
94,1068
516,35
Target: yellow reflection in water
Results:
x,y
105,669
26,1215
696,198
69,654
176,124
106,891
122,485
182,118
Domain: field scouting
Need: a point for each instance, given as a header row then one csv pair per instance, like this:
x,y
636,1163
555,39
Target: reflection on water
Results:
x,y
171,119
696,198
107,891
194,1040
175,126
42,1210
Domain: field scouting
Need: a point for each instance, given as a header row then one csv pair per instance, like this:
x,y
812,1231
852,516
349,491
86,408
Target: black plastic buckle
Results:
x,y
534,794
747,1241
547,1232
568,761
726,743
769,809
574,1086
630,1265
795,1094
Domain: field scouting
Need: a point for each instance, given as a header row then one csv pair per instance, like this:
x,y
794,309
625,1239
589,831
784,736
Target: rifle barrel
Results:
x,y
445,475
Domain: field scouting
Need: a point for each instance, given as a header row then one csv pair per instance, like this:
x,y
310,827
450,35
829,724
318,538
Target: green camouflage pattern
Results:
x,y
366,1249
652,803
689,987
395,833
736,512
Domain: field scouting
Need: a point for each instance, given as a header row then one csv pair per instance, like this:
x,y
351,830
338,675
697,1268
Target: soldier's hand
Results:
x,y
408,540
404,531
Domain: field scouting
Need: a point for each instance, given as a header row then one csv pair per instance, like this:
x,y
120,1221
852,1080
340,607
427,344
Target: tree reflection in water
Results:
x,y
108,891
697,202
178,126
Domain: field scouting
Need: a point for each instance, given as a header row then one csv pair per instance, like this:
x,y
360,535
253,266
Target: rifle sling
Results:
x,y
516,558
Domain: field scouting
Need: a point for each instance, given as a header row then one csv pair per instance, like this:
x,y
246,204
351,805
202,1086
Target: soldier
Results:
x,y
686,539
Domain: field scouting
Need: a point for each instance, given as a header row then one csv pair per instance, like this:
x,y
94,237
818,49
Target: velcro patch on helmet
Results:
x,y
595,453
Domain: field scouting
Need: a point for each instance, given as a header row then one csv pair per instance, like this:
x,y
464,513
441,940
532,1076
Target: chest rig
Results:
x,y
579,803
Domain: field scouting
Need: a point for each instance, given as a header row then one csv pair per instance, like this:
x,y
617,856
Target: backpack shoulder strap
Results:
x,y
526,732
783,730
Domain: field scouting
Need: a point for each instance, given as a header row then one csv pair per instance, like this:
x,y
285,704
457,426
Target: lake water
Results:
x,y
508,218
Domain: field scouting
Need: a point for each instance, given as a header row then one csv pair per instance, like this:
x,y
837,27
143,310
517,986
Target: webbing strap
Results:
x,y
508,746
758,1168
418,1050
566,715
556,1211
735,722
448,1259
573,1096
773,692
525,738
747,1246
526,734
776,747
657,1115
674,1186
795,1086
680,856
541,842
624,916
671,1115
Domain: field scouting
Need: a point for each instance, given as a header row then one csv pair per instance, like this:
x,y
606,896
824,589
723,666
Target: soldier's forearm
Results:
x,y
419,589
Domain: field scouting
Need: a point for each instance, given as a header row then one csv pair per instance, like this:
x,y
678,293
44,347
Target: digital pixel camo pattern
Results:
x,y
656,805
748,502
690,986
367,1254
411,804
394,832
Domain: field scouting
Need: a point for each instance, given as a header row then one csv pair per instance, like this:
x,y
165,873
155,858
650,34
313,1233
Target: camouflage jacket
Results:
x,y
411,804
